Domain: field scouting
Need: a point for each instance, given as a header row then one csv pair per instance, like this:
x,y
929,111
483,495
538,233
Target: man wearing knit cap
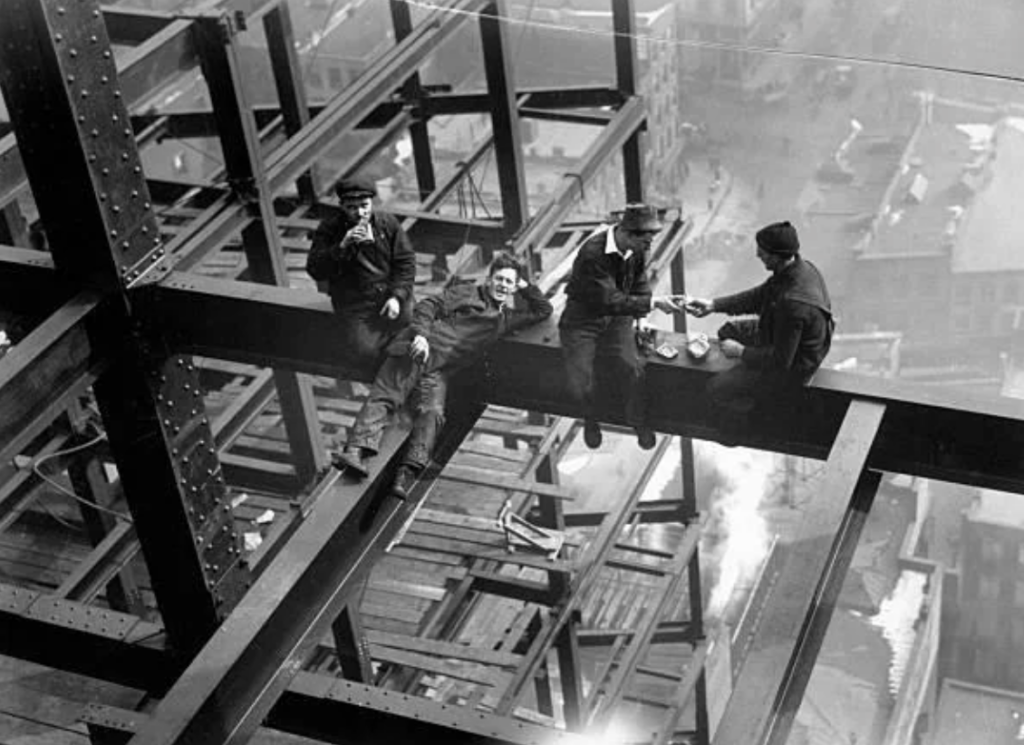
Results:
x,y
607,290
368,264
783,347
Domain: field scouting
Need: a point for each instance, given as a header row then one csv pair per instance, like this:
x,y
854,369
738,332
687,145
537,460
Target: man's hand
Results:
x,y
358,233
699,307
391,308
419,348
665,303
732,348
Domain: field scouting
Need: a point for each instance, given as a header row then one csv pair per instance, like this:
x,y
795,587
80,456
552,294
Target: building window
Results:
x,y
929,284
988,588
961,323
992,551
1010,291
987,291
1018,593
962,292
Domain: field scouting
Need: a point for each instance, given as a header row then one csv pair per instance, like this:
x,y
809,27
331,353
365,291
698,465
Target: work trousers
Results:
x,y
398,379
364,332
741,391
608,341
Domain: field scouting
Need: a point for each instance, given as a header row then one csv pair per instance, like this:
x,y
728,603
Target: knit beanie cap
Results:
x,y
778,238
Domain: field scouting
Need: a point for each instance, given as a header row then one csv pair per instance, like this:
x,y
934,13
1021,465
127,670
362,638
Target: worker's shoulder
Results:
x,y
386,221
593,248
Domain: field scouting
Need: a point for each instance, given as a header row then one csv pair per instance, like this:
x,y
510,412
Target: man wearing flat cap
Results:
x,y
784,346
607,290
368,264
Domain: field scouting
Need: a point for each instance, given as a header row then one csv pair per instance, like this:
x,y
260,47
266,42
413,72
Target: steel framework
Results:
x,y
123,313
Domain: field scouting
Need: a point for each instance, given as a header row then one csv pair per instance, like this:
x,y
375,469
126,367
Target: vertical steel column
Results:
x,y
504,118
89,482
350,643
59,81
291,91
214,39
567,644
401,20
13,226
624,24
688,511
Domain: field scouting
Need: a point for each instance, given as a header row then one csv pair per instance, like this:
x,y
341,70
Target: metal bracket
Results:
x,y
522,534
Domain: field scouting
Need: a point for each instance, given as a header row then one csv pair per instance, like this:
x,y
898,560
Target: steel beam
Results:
x,y
234,681
345,111
401,21
515,208
241,148
51,366
627,121
624,23
134,26
70,115
932,433
766,677
809,641
84,639
291,90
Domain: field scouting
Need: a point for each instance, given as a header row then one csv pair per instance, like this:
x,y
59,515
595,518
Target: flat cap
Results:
x,y
355,187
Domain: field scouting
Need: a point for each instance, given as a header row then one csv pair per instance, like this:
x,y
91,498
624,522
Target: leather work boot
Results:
x,y
350,458
591,434
645,438
405,477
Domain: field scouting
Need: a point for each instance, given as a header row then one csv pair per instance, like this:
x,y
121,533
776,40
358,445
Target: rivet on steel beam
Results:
x,y
104,79
117,94
134,194
124,157
73,53
85,94
146,205
106,54
127,132
115,118
93,39
145,230
105,171
116,209
125,245
92,157
95,14
60,10
81,118
58,38
137,170
113,234
70,78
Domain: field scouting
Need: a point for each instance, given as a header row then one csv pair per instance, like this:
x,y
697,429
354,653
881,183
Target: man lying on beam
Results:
x,y
448,333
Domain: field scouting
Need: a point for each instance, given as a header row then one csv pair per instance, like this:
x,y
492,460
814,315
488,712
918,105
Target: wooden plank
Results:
x,y
497,481
436,665
450,650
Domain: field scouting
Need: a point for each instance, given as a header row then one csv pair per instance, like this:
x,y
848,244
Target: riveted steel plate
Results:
x,y
101,621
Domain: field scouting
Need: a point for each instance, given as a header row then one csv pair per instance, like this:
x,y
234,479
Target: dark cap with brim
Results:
x,y
641,218
355,187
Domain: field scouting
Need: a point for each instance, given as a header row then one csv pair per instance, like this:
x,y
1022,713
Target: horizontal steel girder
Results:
x,y
930,432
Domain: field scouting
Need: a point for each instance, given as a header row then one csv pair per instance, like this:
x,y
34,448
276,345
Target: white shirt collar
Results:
x,y
611,247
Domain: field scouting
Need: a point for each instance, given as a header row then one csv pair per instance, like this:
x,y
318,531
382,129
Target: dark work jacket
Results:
x,y
461,322
368,272
794,320
604,284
